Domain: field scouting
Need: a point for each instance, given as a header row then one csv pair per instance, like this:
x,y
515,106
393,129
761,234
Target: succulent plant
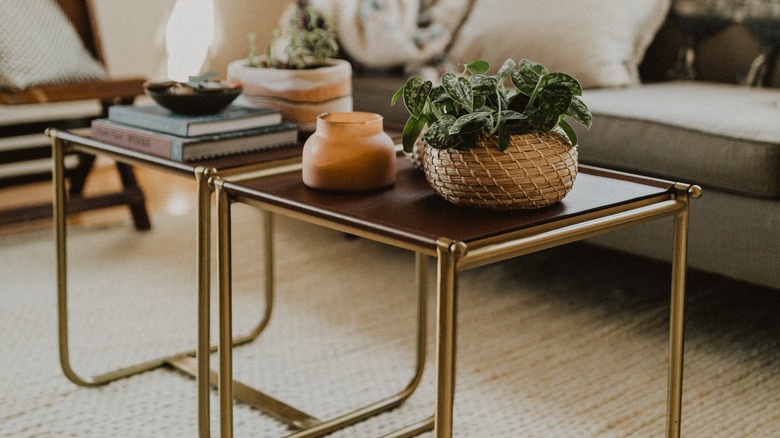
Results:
x,y
310,41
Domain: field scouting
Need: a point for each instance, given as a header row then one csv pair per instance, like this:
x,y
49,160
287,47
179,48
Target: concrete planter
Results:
x,y
301,95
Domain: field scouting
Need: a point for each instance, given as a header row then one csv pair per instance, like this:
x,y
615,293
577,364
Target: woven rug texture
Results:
x,y
569,342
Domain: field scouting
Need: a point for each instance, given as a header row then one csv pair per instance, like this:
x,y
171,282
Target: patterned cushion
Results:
x,y
697,19
700,19
38,45
762,17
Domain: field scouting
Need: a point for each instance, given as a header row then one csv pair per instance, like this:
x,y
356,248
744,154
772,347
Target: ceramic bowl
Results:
x,y
193,102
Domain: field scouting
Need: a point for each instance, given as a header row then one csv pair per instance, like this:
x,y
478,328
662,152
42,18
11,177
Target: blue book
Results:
x,y
157,118
198,147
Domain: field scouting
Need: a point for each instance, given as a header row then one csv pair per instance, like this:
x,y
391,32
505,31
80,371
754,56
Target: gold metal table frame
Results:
x,y
454,256
193,362
307,425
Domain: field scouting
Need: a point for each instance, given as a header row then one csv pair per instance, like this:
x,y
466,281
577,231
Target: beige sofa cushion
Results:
x,y
599,42
716,135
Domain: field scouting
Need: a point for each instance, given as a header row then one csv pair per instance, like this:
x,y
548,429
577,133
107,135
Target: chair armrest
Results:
x,y
85,90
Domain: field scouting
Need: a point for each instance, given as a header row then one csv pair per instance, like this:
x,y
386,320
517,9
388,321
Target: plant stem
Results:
x,y
494,128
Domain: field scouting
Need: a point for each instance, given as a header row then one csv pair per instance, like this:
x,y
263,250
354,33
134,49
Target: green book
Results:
x,y
198,147
157,118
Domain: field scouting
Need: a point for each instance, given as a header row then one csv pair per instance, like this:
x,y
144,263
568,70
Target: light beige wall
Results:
x,y
133,33
234,20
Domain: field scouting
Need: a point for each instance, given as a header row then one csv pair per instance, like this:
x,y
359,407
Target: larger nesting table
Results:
x,y
412,217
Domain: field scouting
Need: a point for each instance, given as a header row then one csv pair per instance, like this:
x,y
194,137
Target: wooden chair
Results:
x,y
20,154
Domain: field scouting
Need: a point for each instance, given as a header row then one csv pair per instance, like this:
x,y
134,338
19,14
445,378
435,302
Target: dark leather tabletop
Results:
x,y
411,212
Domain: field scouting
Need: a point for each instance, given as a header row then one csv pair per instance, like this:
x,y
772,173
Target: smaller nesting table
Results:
x,y
195,362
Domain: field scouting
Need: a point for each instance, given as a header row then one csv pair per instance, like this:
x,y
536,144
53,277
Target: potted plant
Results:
x,y
500,141
297,73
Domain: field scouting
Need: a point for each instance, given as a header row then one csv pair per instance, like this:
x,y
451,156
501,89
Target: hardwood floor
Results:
x,y
165,193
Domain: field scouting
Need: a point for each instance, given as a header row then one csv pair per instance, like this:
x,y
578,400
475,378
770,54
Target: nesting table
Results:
x,y
411,216
195,362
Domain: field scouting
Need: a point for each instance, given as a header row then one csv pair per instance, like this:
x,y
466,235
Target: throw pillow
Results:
x,y
600,42
386,34
39,45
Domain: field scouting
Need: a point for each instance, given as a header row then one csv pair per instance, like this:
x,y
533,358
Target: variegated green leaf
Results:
x,y
479,66
518,102
567,129
559,80
467,141
397,95
482,85
415,94
554,102
411,132
505,70
512,115
525,81
470,122
438,94
504,136
459,89
535,67
541,120
479,102
437,135
580,112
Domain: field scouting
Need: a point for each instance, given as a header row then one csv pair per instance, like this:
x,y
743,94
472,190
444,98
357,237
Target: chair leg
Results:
x,y
78,175
136,202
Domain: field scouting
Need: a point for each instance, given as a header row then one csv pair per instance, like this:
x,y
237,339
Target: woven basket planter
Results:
x,y
535,171
416,156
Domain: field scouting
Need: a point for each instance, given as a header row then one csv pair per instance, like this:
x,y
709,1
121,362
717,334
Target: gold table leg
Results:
x,y
446,318
203,253
225,348
677,310
60,237
449,253
179,360
230,389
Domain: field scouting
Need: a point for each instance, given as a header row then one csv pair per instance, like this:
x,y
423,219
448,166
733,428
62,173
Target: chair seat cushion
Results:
x,y
718,135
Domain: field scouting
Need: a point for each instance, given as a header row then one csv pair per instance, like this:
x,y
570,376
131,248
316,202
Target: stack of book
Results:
x,y
155,130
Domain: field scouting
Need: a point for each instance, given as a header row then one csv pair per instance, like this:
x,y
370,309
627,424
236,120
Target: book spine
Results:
x,y
139,141
141,120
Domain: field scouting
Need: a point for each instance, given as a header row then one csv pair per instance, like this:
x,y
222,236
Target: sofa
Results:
x,y
687,116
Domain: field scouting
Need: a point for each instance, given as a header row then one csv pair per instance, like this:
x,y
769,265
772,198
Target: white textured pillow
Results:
x,y
39,45
599,42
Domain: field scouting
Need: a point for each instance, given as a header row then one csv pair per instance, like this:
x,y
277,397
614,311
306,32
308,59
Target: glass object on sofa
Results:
x,y
698,19
762,18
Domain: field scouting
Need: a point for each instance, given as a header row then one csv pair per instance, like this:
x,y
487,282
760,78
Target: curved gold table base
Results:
x,y
228,389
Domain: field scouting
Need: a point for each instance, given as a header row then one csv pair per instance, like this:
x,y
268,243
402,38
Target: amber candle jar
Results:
x,y
349,151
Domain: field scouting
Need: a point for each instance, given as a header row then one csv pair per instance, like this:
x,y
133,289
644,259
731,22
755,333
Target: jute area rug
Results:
x,y
570,342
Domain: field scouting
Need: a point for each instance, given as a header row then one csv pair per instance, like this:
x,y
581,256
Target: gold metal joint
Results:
x,y
458,249
210,174
695,191
215,182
